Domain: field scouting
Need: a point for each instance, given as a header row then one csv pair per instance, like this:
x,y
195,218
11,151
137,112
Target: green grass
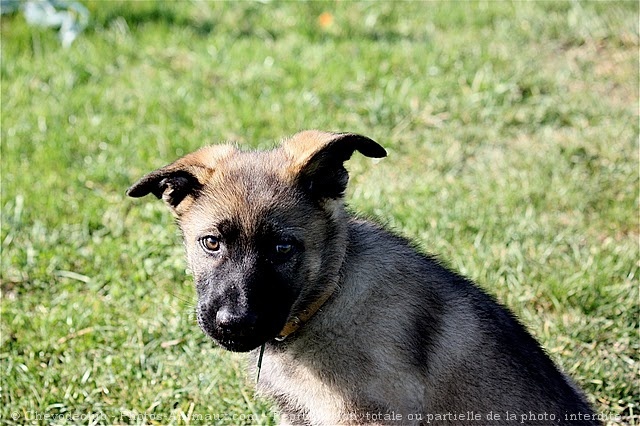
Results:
x,y
512,130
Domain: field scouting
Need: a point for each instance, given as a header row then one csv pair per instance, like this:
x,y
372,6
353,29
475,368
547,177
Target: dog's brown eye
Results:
x,y
210,243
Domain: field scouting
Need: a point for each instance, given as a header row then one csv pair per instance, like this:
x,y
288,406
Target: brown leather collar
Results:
x,y
296,321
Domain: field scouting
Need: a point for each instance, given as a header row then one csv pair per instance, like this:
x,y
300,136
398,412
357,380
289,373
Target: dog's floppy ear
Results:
x,y
172,185
318,159
182,180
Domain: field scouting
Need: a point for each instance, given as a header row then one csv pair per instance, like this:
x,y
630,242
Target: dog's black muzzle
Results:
x,y
233,330
239,330
241,309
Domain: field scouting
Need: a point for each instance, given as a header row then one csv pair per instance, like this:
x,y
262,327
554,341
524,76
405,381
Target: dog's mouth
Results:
x,y
241,337
238,345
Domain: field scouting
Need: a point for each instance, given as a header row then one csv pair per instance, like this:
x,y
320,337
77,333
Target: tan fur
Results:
x,y
300,148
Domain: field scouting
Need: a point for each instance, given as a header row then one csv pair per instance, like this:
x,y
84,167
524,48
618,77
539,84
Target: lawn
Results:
x,y
512,130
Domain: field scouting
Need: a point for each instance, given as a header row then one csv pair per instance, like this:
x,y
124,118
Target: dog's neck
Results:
x,y
303,314
296,321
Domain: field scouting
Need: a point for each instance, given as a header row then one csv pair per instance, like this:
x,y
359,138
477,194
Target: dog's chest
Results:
x,y
309,391
302,397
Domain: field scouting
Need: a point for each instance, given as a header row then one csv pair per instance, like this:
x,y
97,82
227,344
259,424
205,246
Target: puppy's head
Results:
x,y
264,231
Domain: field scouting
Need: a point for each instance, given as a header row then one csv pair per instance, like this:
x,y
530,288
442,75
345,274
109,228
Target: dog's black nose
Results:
x,y
235,323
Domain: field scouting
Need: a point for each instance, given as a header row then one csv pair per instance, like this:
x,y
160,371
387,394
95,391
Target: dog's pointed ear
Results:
x,y
318,158
182,180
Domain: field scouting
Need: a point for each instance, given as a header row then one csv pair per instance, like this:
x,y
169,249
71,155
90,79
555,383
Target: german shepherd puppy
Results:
x,y
356,326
